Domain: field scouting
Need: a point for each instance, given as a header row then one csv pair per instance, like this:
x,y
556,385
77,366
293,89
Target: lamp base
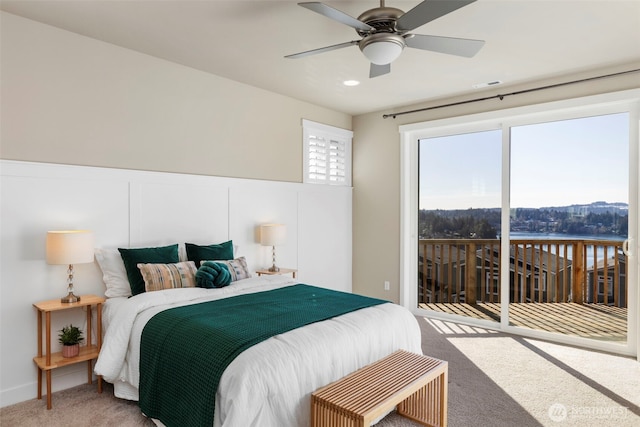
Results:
x,y
274,269
70,298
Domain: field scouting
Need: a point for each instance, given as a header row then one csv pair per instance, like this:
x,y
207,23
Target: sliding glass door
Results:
x,y
569,192
520,221
459,218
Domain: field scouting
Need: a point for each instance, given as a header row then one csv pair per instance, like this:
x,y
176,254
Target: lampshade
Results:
x,y
273,234
69,247
381,48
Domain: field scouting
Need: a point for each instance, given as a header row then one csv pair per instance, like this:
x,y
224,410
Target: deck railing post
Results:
x,y
577,275
422,285
470,274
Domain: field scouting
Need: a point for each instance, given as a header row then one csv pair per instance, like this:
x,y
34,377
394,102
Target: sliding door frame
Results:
x,y
615,102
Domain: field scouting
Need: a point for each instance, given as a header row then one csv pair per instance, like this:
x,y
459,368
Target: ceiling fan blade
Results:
x,y
322,49
336,15
379,70
449,45
428,11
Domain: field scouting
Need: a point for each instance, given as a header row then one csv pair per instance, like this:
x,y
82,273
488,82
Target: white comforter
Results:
x,y
270,383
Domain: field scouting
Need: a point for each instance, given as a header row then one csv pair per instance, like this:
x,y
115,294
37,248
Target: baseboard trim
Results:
x,y
60,380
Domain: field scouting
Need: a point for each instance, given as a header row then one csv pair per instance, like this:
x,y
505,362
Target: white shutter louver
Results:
x,y
327,152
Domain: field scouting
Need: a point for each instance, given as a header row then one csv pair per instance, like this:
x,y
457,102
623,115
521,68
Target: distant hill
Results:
x,y
599,207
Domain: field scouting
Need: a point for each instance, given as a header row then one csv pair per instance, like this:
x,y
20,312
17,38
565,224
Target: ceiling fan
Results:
x,y
385,32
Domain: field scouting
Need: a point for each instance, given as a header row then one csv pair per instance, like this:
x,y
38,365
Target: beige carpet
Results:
x,y
495,380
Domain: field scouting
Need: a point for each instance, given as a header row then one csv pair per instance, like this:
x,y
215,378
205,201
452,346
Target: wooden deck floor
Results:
x,y
594,321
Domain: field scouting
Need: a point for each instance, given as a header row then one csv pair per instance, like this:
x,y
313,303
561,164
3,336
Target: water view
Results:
x,y
599,249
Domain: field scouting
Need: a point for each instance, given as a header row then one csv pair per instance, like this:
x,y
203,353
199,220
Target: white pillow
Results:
x,y
114,274
182,252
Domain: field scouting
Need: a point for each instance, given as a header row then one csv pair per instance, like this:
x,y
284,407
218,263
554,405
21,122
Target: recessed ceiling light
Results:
x,y
492,83
351,83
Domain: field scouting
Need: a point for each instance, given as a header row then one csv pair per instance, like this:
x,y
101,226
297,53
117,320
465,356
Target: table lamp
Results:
x,y
273,235
67,248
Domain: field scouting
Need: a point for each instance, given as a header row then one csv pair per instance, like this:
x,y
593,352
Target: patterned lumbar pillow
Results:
x,y
212,275
167,276
238,268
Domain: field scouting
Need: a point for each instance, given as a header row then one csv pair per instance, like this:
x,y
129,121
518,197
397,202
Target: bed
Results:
x,y
269,383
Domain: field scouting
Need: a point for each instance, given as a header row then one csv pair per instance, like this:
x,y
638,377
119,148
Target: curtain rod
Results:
x,y
502,96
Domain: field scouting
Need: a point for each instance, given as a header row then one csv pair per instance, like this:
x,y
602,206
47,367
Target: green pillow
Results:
x,y
221,251
212,275
132,257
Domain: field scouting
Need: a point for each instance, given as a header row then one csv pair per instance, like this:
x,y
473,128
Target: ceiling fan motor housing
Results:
x,y
384,44
383,19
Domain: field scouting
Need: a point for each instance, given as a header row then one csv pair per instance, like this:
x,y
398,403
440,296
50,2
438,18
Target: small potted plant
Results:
x,y
70,338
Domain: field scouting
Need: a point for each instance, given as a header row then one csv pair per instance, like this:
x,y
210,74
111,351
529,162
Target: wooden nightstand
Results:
x,y
281,271
47,361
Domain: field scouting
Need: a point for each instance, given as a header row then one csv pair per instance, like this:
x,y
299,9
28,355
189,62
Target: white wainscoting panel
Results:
x,y
163,213
324,241
128,208
259,204
31,206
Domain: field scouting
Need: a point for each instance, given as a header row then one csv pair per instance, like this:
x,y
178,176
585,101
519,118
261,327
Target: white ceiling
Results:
x,y
246,41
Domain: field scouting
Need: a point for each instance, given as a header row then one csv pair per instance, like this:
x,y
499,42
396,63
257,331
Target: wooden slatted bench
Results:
x,y
415,384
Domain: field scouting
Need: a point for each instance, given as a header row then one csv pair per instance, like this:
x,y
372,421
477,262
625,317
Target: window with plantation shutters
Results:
x,y
327,154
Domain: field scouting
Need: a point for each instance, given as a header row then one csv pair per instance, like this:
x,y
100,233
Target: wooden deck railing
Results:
x,y
468,270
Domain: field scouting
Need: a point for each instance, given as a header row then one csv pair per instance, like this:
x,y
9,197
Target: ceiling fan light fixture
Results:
x,y
382,48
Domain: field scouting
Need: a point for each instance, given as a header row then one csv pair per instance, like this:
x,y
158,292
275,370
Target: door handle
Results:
x,y
625,247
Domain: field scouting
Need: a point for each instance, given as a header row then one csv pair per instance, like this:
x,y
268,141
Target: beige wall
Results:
x,y
376,164
71,99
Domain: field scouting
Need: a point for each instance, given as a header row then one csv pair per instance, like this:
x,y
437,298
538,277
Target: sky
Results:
x,y
561,163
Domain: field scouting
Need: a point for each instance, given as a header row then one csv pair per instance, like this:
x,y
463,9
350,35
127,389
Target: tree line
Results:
x,y
485,223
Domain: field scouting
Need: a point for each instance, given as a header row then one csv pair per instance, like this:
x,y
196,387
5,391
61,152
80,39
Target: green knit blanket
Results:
x,y
185,350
